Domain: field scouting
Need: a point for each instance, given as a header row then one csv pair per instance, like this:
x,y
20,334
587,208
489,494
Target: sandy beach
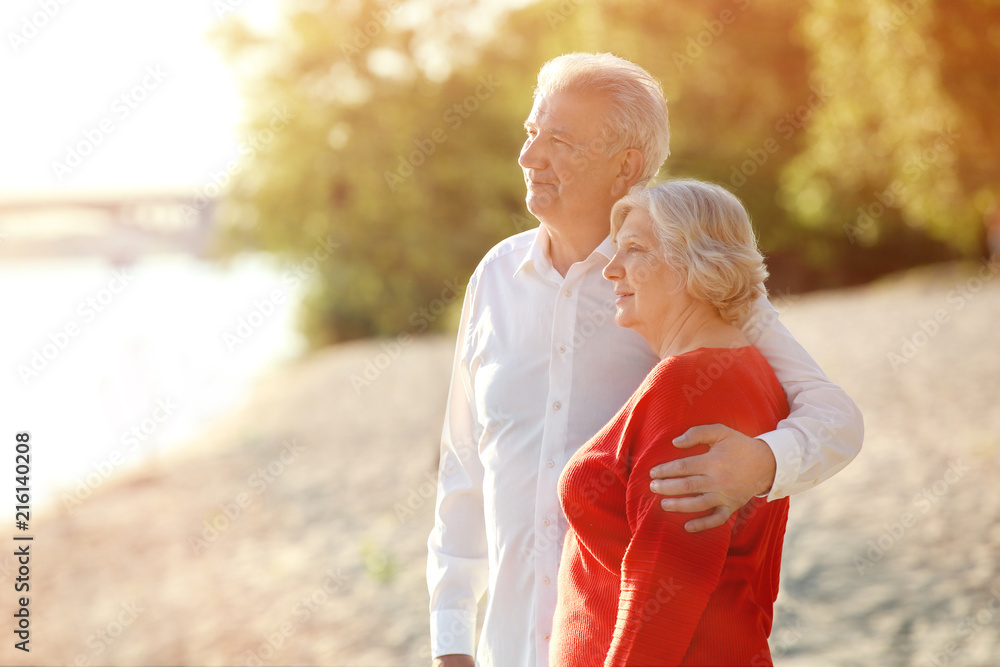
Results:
x,y
293,531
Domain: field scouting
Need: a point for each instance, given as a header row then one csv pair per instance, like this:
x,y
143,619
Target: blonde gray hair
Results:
x,y
638,117
706,234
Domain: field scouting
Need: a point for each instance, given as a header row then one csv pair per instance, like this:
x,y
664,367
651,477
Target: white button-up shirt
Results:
x,y
540,366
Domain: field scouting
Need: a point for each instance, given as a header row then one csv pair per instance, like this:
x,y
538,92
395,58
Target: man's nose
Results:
x,y
531,155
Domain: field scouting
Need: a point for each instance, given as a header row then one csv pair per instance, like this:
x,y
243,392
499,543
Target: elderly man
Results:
x,y
540,366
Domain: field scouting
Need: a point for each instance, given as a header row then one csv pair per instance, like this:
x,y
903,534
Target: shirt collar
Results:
x,y
537,256
607,249
540,260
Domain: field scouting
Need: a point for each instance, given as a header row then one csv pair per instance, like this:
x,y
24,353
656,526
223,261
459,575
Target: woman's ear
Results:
x,y
630,166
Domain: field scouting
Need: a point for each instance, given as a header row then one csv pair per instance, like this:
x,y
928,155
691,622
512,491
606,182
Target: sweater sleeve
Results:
x,y
668,574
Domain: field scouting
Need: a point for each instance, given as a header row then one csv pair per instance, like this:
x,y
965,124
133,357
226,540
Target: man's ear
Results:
x,y
630,166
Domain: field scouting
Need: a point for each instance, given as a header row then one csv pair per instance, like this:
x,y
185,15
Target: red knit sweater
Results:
x,y
634,587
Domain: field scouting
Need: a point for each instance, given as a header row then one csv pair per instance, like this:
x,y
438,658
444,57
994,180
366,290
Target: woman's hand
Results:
x,y
734,469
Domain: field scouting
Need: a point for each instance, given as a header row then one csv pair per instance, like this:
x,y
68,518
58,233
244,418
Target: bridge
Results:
x,y
118,226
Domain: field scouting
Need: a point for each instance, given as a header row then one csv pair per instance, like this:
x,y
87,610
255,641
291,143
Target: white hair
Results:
x,y
706,234
638,117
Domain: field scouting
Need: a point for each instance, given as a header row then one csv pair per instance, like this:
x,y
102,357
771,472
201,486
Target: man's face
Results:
x,y
567,169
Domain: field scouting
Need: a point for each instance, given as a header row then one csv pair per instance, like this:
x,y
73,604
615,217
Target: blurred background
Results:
x,y
234,237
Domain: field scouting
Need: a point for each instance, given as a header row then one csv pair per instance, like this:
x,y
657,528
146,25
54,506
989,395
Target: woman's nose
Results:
x,y
613,271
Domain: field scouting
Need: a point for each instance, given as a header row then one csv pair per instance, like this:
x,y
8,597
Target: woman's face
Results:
x,y
647,290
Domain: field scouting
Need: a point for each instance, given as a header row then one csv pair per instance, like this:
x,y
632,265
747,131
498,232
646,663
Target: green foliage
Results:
x,y
380,565
910,128
405,125
382,158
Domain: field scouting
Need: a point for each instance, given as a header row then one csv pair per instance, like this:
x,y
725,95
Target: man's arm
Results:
x,y
457,566
455,660
821,435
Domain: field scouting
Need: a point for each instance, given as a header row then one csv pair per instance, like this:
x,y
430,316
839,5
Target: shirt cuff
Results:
x,y
453,631
787,462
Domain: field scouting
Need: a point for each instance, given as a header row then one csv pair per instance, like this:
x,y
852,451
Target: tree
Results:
x,y
909,130
383,160
850,130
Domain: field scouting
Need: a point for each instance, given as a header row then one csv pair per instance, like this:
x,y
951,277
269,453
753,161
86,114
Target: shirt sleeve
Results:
x,y
668,574
824,429
457,566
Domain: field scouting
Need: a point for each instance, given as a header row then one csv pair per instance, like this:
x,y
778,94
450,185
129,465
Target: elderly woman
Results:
x,y
634,587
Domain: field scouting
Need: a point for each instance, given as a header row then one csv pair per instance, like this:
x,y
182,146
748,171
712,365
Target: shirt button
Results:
x,y
546,637
545,522
556,405
568,292
550,463
562,348
545,580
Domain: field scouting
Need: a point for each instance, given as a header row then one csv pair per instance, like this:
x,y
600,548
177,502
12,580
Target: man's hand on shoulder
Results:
x,y
735,469
454,660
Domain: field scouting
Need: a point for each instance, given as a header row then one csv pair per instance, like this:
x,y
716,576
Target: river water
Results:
x,y
108,366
